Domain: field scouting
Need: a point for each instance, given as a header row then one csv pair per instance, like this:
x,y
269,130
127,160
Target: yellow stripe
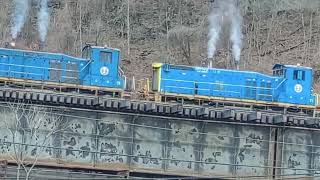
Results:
x,y
235,100
66,85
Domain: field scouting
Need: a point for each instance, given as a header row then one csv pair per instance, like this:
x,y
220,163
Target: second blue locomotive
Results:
x,y
289,84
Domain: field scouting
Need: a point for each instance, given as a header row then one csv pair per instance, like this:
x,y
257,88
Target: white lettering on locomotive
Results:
x,y
201,69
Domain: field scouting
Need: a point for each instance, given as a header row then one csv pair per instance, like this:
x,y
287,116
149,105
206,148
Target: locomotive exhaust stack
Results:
x,y
13,44
10,45
236,63
41,46
210,62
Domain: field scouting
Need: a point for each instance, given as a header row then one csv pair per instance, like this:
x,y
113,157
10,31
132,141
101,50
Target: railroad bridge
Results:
x,y
136,137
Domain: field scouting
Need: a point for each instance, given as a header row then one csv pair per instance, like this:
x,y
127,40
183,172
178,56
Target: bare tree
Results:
x,y
31,130
180,38
80,23
128,27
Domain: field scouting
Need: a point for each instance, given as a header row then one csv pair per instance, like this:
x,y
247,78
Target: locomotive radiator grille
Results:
x,y
72,73
55,71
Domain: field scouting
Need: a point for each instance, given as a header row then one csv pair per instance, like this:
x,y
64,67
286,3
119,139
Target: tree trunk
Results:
x,y
128,27
18,171
80,23
28,174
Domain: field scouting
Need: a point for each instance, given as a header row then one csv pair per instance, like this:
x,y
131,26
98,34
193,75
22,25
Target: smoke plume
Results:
x,y
214,32
225,12
236,34
19,16
43,20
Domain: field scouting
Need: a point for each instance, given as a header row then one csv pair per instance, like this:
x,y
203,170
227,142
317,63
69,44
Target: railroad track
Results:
x,y
218,112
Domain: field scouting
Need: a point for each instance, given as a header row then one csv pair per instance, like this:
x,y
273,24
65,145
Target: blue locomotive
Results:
x,y
97,69
288,86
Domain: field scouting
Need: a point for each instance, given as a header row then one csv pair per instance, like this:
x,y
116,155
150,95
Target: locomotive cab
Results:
x,y
297,86
104,67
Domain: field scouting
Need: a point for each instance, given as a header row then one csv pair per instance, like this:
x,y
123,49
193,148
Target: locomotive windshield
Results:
x,y
86,52
105,57
298,75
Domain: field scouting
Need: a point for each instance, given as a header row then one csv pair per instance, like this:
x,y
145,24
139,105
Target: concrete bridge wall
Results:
x,y
106,140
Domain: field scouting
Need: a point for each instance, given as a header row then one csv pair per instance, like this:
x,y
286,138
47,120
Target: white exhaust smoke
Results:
x,y
43,20
236,34
214,32
19,16
225,12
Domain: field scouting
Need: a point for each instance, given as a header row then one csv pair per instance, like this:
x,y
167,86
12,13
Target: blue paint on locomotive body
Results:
x,y
288,84
98,67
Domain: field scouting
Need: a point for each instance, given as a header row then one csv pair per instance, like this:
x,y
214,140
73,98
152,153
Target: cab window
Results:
x,y
298,75
106,57
279,73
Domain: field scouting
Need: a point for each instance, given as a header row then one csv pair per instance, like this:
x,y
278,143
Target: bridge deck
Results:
x,y
105,103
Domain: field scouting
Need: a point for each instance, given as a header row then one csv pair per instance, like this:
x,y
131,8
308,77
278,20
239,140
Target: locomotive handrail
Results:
x,y
36,74
251,87
45,68
203,89
86,65
280,83
220,84
257,94
214,90
36,67
18,72
236,92
121,73
88,62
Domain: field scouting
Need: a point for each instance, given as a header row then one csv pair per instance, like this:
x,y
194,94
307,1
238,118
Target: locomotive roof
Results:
x,y
42,53
228,70
278,66
105,47
243,71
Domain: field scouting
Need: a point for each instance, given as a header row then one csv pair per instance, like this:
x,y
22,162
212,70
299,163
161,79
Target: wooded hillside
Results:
x,y
275,31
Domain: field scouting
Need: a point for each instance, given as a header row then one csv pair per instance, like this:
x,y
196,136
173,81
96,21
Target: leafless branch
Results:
x,y
30,125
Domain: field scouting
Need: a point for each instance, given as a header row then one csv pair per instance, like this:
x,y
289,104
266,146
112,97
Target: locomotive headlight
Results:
x,y
104,71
